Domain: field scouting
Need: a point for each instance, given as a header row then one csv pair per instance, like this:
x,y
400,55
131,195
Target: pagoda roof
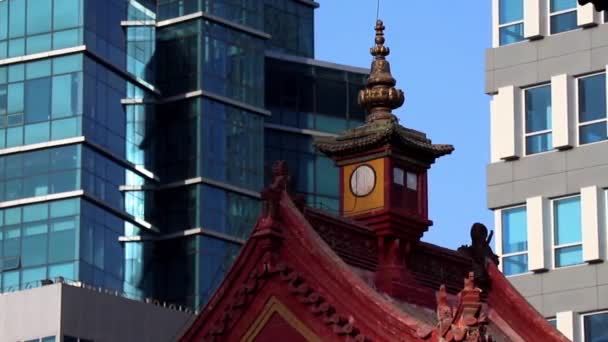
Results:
x,y
378,134
320,268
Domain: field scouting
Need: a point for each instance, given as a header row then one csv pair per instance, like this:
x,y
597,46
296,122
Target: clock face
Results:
x,y
362,181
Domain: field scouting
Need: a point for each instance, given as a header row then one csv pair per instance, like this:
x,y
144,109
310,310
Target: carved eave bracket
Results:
x,y
466,322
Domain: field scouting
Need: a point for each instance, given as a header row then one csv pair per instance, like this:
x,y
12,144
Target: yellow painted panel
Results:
x,y
354,205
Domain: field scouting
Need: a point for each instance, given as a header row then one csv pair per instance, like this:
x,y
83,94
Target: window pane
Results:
x,y
66,14
539,143
17,18
562,5
511,34
3,21
511,10
514,230
592,98
515,264
62,270
37,100
64,208
38,18
592,133
62,243
10,281
67,38
38,69
39,43
66,90
567,222
563,22
36,133
48,339
538,109
596,327
32,277
15,97
568,256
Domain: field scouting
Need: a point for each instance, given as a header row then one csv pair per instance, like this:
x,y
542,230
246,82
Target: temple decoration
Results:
x,y
466,322
480,253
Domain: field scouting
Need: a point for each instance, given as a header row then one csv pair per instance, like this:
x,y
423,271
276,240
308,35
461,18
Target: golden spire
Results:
x,y
380,97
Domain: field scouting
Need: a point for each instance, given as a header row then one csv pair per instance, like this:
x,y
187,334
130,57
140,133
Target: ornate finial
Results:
x,y
380,96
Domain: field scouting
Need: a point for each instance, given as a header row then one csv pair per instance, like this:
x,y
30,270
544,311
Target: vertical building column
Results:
x,y
562,103
505,121
533,28
586,16
495,23
537,215
593,223
568,324
498,234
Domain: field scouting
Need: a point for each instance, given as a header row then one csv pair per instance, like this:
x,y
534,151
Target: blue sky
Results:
x,y
437,57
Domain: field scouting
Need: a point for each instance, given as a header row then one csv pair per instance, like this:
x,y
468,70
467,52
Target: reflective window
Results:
x,y
567,231
291,26
514,241
303,96
37,242
39,173
313,175
562,15
592,108
244,12
232,62
511,21
31,26
596,327
538,119
398,176
40,101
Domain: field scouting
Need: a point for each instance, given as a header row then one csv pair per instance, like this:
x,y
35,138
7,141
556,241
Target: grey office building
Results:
x,y
548,175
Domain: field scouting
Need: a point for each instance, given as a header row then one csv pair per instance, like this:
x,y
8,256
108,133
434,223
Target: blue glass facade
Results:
x,y
315,99
133,153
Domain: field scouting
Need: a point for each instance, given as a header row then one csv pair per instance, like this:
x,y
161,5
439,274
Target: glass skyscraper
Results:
x,y
135,136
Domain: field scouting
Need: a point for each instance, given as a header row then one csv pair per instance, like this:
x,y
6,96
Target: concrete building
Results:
x,y
75,313
547,180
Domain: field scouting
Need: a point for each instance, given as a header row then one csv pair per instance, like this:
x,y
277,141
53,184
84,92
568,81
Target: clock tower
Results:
x,y
383,170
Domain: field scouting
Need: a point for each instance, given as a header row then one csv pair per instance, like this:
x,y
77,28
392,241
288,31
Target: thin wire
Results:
x,y
378,10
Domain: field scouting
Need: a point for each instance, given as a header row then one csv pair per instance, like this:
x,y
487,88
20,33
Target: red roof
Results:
x,y
306,275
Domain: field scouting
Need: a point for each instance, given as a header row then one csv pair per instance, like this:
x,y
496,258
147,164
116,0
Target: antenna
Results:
x,y
378,10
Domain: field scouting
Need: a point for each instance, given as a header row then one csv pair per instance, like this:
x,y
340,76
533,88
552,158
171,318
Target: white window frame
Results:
x,y
582,321
552,14
577,110
509,24
526,252
555,247
524,122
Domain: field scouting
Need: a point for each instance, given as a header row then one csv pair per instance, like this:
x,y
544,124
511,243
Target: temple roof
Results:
x,y
327,263
378,134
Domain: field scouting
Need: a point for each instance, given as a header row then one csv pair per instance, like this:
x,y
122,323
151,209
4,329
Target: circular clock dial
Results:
x,y
362,181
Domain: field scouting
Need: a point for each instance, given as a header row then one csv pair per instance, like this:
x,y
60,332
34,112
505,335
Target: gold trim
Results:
x,y
275,306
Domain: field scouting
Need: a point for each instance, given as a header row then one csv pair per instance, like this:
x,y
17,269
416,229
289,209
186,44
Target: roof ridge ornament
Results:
x,y
380,97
